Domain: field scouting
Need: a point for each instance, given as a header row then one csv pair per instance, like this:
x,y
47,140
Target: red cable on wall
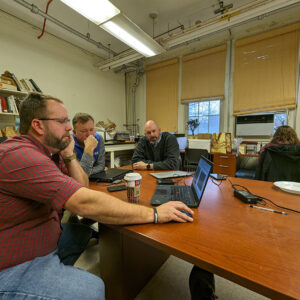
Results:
x,y
43,31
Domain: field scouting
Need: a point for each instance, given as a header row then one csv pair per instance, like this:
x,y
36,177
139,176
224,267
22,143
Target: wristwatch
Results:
x,y
69,158
148,166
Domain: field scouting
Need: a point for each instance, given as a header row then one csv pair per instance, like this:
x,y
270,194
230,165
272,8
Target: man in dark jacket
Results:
x,y
156,150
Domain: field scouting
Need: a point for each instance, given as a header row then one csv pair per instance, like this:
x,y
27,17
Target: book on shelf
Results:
x,y
11,76
7,80
4,80
12,104
23,82
35,86
3,104
17,81
30,86
18,103
9,105
9,87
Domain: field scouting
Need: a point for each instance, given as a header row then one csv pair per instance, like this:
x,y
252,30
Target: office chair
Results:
x,y
192,157
279,163
246,167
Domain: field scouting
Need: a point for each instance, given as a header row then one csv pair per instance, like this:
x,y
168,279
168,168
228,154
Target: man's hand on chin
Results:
x,y
69,150
90,143
140,165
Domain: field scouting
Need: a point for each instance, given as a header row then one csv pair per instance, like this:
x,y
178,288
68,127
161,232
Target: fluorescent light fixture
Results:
x,y
132,35
98,11
119,60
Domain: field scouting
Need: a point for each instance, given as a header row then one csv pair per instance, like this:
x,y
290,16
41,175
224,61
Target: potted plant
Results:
x,y
193,125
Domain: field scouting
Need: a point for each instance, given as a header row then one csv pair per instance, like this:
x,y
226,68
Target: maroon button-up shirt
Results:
x,y
33,190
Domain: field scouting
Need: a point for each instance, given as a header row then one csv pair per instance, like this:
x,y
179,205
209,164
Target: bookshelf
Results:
x,y
9,118
4,92
12,91
7,93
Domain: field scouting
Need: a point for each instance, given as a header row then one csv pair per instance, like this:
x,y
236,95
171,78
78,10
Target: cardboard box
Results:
x,y
199,144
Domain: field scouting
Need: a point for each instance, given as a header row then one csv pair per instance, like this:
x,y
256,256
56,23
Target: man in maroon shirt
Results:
x,y
39,177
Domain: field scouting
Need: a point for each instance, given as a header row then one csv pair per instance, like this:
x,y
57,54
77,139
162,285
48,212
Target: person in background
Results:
x,y
156,150
284,135
89,146
39,177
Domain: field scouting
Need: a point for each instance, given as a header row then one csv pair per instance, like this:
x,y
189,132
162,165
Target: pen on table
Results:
x,y
269,209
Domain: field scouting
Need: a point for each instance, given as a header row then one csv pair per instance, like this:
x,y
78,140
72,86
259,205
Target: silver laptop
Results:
x,y
190,195
171,174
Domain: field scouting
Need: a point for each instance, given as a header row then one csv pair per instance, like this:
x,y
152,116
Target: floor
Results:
x,y
171,281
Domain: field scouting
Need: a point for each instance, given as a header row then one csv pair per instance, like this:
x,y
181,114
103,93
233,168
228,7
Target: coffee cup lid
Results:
x,y
132,176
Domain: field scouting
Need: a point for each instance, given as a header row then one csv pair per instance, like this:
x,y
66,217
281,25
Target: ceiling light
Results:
x,y
98,11
132,35
119,60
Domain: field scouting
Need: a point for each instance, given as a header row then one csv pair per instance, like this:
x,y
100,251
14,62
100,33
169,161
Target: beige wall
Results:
x,y
61,70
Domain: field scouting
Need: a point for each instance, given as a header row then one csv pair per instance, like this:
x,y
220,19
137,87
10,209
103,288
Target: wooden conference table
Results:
x,y
254,248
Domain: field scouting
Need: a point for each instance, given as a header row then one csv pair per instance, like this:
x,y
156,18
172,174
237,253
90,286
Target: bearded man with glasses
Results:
x,y
39,177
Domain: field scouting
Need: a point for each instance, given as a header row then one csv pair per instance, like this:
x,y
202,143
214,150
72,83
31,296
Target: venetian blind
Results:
x,y
203,75
265,72
162,93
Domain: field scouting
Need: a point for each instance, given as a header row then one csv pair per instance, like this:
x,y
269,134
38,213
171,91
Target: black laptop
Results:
x,y
109,176
190,195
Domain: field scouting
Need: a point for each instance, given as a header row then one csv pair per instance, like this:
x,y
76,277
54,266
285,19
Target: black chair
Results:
x,y
246,167
192,157
279,163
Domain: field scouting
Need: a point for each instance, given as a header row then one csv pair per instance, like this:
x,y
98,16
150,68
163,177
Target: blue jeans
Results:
x,y
47,278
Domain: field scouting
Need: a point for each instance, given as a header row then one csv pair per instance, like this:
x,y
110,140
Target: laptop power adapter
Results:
x,y
245,196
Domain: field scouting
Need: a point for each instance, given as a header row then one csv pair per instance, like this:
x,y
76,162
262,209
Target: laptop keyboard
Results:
x,y
181,193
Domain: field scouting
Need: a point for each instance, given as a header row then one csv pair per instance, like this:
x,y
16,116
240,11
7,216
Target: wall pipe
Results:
x,y
34,9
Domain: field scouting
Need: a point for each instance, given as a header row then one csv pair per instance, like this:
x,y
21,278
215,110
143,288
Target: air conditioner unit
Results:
x,y
255,125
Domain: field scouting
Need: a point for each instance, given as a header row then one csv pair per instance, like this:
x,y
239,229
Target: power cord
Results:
x,y
215,182
261,199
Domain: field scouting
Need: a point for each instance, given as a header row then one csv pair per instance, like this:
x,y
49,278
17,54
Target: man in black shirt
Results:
x,y
156,150
160,151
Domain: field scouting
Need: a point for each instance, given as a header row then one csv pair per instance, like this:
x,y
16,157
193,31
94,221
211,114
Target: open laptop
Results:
x,y
110,175
190,195
171,174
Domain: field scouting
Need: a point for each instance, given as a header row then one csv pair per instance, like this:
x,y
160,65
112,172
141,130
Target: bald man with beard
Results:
x,y
156,150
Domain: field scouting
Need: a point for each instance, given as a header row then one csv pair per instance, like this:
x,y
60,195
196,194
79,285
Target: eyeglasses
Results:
x,y
59,120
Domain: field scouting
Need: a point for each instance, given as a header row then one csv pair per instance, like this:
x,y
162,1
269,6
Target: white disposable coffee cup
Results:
x,y
133,183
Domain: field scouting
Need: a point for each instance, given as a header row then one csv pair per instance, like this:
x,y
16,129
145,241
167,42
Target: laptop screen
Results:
x,y
201,176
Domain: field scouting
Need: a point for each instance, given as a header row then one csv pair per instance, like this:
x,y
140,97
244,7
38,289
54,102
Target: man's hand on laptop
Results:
x,y
173,211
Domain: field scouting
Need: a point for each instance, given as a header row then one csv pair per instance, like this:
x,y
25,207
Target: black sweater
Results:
x,y
165,156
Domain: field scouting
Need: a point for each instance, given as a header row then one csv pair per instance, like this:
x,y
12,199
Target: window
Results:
x,y
280,118
208,115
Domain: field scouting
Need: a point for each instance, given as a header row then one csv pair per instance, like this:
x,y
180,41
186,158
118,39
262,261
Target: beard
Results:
x,y
54,142
153,139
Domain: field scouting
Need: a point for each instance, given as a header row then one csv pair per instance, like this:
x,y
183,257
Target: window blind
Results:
x,y
203,75
162,94
265,72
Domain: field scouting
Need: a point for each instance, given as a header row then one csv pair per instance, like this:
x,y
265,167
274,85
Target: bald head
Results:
x,y
152,131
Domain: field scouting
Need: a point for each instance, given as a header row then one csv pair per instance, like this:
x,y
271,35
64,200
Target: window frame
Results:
x,y
208,115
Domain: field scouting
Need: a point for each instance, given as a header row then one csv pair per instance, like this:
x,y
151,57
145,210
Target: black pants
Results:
x,y
73,242
202,284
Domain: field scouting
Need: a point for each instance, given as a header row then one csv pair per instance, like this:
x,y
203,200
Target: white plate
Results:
x,y
288,186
